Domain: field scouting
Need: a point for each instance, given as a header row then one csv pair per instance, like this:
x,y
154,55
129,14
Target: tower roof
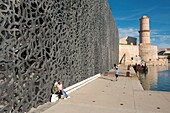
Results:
x,y
144,16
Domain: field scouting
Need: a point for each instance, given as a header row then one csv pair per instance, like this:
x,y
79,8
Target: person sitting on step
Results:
x,y
61,90
55,89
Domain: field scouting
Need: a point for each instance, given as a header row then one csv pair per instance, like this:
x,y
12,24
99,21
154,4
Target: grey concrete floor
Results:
x,y
106,95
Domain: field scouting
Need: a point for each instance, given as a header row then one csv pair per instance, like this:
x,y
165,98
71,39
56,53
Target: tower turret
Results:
x,y
146,51
144,32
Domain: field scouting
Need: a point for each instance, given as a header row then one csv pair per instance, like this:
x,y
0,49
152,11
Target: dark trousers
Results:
x,y
59,94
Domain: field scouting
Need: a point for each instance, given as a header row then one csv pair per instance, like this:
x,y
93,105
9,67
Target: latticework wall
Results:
x,y
46,40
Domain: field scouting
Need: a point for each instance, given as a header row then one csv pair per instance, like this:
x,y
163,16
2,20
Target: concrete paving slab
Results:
x,y
106,95
153,101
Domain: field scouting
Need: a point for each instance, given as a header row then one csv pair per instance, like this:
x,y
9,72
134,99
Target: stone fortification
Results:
x,y
128,41
144,33
148,52
131,53
46,40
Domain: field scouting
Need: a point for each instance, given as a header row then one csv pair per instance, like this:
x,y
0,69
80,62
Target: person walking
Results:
x,y
117,73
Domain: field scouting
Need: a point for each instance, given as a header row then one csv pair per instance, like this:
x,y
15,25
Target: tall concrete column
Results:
x,y
144,32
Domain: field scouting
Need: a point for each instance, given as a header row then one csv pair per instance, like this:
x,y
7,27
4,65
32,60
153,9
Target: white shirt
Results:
x,y
60,86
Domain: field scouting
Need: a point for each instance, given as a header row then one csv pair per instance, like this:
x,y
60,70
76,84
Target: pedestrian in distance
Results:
x,y
114,66
117,73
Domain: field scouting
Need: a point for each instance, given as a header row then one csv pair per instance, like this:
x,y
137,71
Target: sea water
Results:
x,y
156,79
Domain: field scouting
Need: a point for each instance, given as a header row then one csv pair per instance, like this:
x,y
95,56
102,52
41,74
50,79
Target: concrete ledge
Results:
x,y
80,84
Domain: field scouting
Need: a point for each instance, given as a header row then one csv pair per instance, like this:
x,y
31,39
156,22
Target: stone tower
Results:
x,y
147,51
144,32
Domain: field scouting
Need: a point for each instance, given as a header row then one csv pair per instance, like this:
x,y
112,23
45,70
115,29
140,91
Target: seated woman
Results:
x,y
61,90
55,89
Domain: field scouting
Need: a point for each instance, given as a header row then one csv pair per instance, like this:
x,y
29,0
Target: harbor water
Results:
x,y
157,78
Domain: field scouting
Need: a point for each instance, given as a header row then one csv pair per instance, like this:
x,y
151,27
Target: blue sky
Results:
x,y
127,13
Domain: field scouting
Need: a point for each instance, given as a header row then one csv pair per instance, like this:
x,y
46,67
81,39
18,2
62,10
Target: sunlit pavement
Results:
x,y
106,95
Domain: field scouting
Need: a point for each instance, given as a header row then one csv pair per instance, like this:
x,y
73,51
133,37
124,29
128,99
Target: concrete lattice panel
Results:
x,y
46,40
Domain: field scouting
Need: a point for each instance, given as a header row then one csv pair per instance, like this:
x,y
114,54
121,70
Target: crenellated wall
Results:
x,y
46,40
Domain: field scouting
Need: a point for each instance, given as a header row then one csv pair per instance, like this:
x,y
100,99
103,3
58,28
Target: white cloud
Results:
x,y
153,39
163,45
160,38
154,32
164,37
133,32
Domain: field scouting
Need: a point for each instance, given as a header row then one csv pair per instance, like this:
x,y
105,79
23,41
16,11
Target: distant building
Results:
x,y
131,53
128,50
164,53
128,41
167,51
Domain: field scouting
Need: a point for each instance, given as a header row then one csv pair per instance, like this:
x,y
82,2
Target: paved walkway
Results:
x,y
106,95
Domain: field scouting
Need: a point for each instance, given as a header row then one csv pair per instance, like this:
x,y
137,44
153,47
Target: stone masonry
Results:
x,y
146,51
131,53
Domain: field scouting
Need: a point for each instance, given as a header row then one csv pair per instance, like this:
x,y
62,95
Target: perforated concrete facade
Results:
x,y
46,40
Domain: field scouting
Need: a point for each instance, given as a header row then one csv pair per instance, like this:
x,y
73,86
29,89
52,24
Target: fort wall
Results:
x,y
131,52
148,52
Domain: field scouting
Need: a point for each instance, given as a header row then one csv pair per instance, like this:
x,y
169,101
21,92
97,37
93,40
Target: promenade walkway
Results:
x,y
106,95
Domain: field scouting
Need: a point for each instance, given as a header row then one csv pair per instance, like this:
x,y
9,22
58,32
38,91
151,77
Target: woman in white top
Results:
x,y
60,87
